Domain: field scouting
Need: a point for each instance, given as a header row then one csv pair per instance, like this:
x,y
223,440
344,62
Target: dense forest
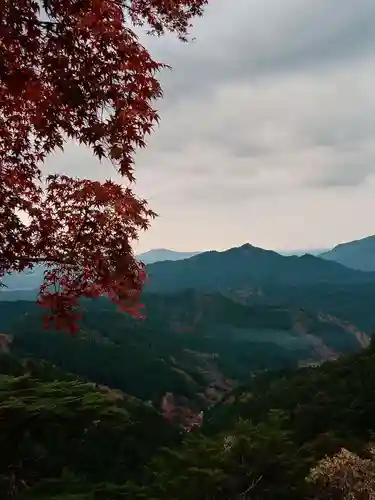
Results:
x,y
84,416
195,346
66,438
62,434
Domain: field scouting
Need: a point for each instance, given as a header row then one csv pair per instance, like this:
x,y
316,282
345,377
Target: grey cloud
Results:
x,y
344,175
247,40
267,128
223,193
302,129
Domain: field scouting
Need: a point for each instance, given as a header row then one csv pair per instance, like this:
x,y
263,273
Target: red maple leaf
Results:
x,y
77,70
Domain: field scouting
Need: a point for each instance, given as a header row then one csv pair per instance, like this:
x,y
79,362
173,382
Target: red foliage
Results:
x,y
75,69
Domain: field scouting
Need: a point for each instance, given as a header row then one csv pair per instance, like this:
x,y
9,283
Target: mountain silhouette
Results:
x,y
248,266
358,254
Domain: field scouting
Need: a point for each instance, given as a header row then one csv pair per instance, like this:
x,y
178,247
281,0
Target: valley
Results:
x,y
195,347
223,335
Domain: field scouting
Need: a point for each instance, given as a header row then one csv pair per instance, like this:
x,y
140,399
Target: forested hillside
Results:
x,y
195,346
271,432
249,266
67,439
62,435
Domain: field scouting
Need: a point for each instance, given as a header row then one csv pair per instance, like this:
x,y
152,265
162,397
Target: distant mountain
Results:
x,y
11,295
26,280
358,254
314,251
31,280
162,254
248,267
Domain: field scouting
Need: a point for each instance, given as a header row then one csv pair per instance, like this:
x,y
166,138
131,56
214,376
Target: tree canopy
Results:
x,y
76,69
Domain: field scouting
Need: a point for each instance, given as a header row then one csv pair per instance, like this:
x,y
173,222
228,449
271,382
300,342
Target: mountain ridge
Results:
x,y
164,254
248,265
358,254
30,280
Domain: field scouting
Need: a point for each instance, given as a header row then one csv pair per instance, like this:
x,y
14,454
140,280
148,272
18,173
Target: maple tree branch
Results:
x,y
87,211
48,25
129,8
37,260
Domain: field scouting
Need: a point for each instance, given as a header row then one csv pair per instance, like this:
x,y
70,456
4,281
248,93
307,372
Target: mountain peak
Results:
x,y
248,247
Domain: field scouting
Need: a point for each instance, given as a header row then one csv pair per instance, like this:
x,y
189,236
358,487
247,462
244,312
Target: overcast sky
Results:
x,y
267,129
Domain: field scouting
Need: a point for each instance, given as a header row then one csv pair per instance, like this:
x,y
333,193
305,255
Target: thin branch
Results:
x,y
251,487
129,8
48,25
85,217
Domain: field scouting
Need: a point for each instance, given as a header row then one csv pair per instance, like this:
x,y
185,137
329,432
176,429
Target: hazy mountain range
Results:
x,y
249,266
160,254
358,255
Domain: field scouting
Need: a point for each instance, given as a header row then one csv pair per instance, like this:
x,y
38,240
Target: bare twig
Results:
x,y
251,487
